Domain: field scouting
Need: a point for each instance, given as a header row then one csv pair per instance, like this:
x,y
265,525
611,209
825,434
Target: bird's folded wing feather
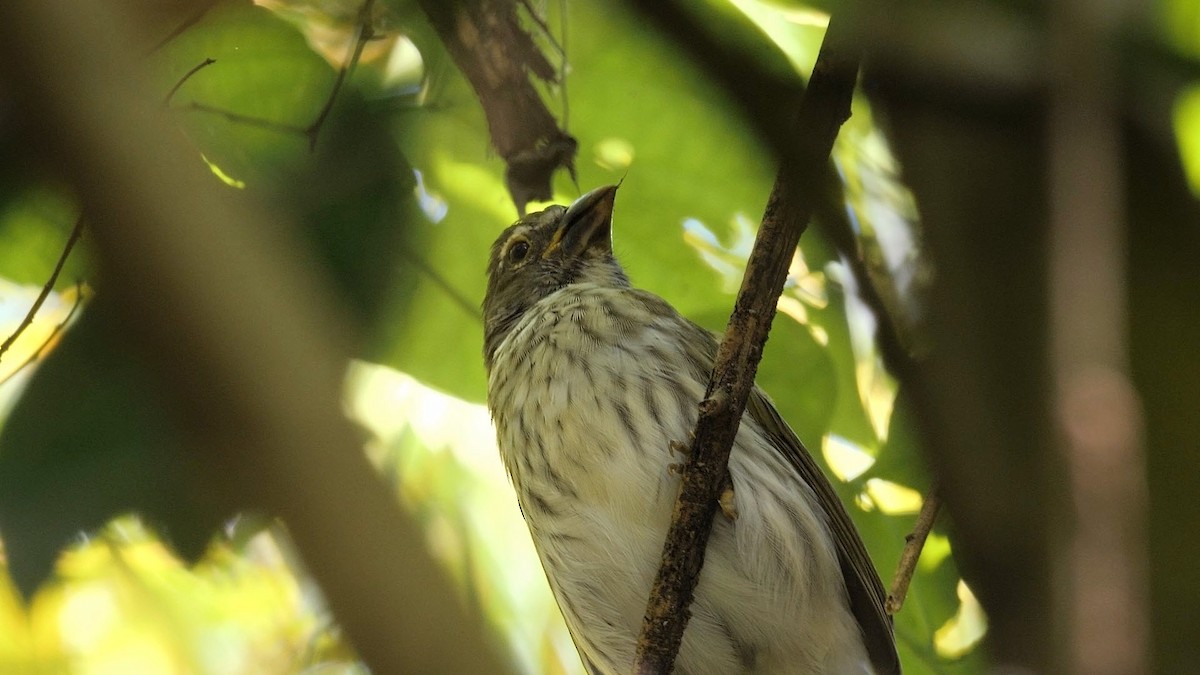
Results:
x,y
866,593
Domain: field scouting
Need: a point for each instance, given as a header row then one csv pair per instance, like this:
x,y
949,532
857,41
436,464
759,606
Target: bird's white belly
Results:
x,y
588,442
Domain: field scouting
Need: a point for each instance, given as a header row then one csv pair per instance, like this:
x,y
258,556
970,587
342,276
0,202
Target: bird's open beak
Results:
x,y
588,222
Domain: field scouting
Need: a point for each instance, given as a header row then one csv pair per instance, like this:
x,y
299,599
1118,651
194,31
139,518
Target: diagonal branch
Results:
x,y
825,106
187,76
273,432
913,544
753,89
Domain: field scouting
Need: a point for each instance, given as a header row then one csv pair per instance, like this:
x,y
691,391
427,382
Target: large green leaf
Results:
x,y
35,224
92,437
264,72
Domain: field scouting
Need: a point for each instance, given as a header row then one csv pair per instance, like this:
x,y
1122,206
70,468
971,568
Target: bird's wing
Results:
x,y
865,591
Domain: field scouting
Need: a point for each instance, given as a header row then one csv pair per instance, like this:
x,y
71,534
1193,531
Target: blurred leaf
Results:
x,y
900,459
35,223
90,440
93,436
264,70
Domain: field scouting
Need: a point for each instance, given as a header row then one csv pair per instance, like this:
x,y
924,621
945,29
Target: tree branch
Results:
x,y
913,544
364,32
497,56
753,89
825,106
187,76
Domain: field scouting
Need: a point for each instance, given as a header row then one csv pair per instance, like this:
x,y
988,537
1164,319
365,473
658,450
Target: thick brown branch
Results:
x,y
913,544
76,232
750,85
825,106
497,56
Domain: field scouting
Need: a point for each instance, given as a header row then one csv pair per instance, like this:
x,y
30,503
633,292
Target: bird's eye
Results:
x,y
518,251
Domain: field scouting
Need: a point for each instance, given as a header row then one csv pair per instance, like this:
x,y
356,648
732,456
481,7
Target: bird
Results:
x,y
593,387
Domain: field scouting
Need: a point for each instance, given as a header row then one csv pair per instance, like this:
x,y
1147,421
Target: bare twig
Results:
x,y
49,338
187,76
546,32
498,57
249,120
76,232
898,359
364,32
186,24
825,106
913,544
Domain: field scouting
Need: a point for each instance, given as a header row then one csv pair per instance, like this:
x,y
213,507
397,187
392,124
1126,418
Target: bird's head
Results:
x,y
544,252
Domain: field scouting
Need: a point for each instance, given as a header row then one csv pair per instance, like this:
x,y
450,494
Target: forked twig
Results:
x,y
365,31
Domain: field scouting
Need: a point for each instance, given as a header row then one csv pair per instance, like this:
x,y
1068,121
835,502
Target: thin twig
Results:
x,y
187,76
824,108
541,23
900,363
913,544
187,23
365,32
438,279
76,232
250,120
49,338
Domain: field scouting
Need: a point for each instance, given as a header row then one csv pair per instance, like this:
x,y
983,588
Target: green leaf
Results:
x,y
263,71
35,222
90,439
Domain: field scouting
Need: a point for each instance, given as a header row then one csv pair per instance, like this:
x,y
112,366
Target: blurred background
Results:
x,y
255,236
